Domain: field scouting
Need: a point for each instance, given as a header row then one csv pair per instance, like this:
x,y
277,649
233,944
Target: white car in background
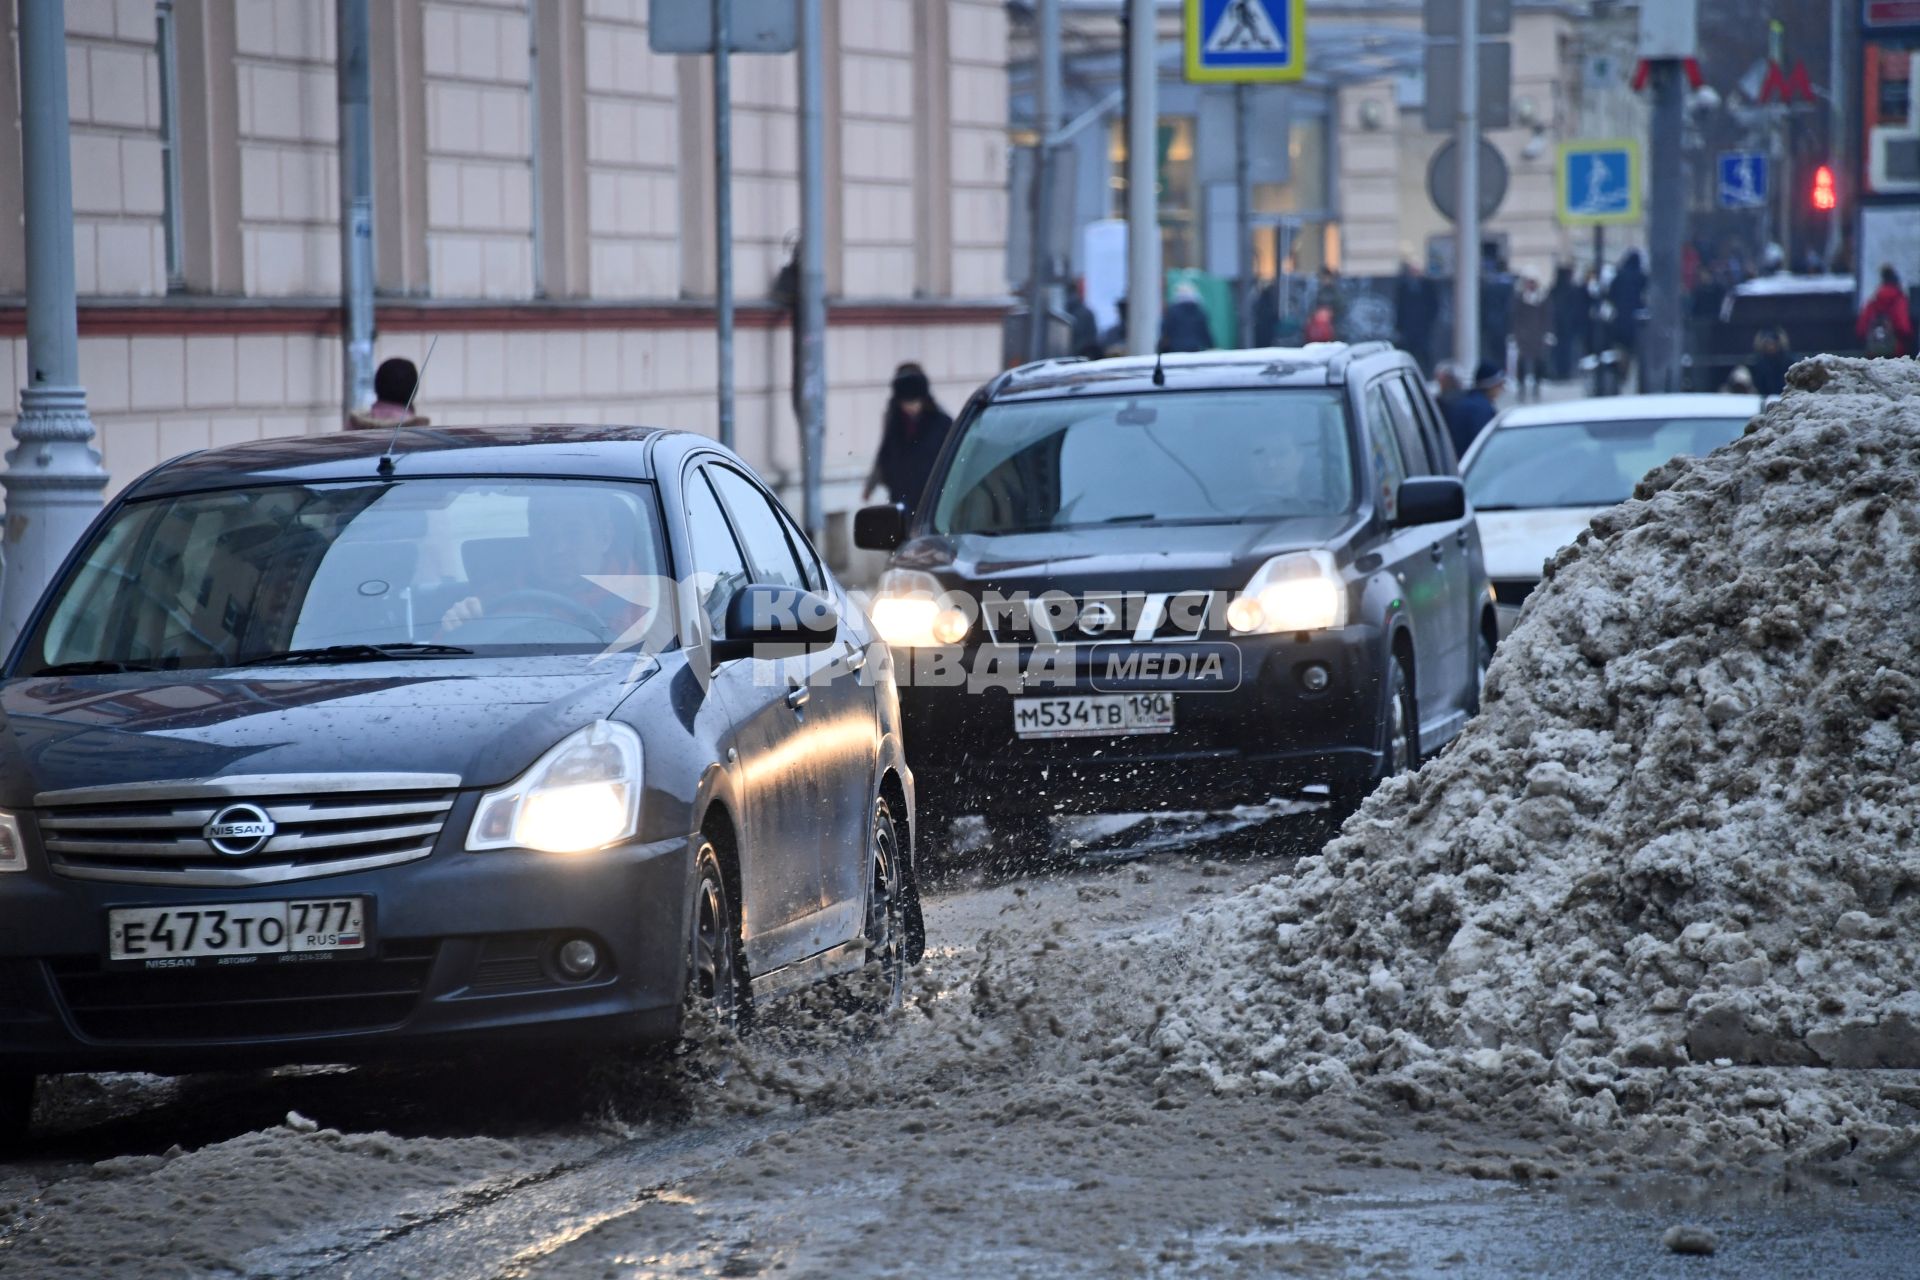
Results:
x,y
1540,473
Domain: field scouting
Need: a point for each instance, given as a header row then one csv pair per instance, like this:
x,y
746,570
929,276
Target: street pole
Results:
x,y
1243,208
53,477
356,201
1143,197
1660,355
723,207
1047,95
1837,99
812,372
1466,251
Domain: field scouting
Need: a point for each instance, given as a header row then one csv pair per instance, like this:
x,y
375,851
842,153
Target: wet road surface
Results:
x,y
994,1159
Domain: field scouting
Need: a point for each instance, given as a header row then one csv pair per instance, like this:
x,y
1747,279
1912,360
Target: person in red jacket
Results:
x,y
1885,325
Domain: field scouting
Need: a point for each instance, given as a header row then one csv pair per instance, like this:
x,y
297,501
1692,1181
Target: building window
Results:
x,y
1178,201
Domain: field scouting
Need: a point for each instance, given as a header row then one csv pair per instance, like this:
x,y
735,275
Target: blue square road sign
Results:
x,y
1742,180
1231,41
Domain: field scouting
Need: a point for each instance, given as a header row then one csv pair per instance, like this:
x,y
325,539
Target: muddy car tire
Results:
x,y
883,981
717,988
16,1110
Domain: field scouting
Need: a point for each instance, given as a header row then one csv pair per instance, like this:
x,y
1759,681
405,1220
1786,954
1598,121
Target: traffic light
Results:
x,y
1826,197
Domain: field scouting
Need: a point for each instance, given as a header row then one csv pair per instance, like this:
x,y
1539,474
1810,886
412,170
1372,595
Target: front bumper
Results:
x,y
461,954
1266,736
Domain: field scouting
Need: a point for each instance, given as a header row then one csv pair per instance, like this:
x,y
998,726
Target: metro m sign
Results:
x,y
1790,86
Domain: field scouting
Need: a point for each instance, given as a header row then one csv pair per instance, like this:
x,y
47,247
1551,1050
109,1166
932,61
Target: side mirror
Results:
x,y
1431,500
776,622
880,528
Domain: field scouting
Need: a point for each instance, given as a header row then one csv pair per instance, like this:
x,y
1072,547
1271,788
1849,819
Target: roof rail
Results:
x,y
1355,350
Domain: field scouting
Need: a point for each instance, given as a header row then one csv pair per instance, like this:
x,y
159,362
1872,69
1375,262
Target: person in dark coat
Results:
x,y
1496,311
1184,327
1415,308
915,428
1567,304
1628,297
1532,336
1771,360
1086,329
1474,410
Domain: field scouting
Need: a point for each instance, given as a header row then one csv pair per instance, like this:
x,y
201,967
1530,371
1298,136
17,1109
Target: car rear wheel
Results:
x,y
716,976
885,977
16,1109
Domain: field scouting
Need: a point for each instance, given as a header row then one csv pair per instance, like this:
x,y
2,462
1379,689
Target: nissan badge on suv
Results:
x,y
1186,583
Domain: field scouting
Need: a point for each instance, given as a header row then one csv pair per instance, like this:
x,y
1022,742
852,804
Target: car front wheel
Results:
x,y
716,978
886,925
1402,746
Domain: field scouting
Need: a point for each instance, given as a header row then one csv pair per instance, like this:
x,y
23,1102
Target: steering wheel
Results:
x,y
554,605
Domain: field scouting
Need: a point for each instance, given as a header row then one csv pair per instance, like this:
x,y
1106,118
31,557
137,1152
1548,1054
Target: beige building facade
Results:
x,y
543,216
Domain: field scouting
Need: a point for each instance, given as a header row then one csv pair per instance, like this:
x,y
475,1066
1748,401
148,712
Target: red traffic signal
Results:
x,y
1826,197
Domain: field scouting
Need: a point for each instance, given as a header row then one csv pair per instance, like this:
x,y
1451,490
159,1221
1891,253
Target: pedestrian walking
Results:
x,y
1474,410
1185,327
1496,311
395,383
914,429
1085,328
1532,336
1327,293
1415,308
1627,295
1772,357
1568,303
1885,325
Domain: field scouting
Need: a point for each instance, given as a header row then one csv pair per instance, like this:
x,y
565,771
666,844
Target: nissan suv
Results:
x,y
1187,582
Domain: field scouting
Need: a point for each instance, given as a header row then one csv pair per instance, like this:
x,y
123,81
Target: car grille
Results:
x,y
326,825
1136,617
1513,591
245,1002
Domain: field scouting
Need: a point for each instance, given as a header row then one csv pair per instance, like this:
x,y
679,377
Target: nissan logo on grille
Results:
x,y
239,830
1097,619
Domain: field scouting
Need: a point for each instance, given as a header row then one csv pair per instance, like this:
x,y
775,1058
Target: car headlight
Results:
x,y
582,795
13,850
1301,591
911,610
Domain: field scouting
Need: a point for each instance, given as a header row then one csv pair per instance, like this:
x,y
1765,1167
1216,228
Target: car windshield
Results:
x,y
1584,464
360,571
1163,458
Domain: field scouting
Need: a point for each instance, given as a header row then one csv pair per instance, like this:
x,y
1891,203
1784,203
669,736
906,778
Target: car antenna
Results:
x,y
1159,366
386,459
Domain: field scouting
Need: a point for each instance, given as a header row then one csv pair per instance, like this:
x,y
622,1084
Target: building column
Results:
x,y
560,138
933,134
399,149
211,252
54,477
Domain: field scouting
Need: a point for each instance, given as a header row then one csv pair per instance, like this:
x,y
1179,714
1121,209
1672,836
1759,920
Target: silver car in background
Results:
x,y
1539,474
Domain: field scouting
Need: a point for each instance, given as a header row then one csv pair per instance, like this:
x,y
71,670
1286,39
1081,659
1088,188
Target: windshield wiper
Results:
x,y
1142,518
93,667
356,653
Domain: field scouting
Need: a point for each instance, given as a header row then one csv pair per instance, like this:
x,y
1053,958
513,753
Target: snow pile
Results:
x,y
215,1210
1668,881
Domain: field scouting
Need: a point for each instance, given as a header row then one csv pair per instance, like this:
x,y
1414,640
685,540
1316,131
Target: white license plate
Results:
x,y
237,929
1093,715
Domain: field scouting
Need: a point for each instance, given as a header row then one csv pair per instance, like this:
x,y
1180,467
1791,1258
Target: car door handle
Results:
x,y
856,657
1461,537
1437,552
797,696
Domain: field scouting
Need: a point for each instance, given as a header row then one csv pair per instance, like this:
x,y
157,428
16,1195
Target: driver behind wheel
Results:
x,y
574,538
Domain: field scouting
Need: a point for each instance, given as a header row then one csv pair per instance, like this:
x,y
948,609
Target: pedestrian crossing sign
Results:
x,y
1598,183
1237,41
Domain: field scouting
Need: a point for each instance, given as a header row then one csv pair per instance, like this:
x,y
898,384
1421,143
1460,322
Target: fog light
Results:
x,y
578,958
1315,677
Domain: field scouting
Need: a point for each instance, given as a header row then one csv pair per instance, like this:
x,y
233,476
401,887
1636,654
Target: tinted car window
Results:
x,y
495,565
1167,458
1415,445
1584,464
1389,466
760,530
719,568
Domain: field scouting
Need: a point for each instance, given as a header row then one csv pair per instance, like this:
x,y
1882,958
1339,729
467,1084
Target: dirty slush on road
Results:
x,y
1654,917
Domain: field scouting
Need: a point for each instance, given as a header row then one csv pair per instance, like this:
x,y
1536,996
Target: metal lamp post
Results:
x,y
54,476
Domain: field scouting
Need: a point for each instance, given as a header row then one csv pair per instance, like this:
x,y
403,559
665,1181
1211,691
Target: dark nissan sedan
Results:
x,y
322,748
